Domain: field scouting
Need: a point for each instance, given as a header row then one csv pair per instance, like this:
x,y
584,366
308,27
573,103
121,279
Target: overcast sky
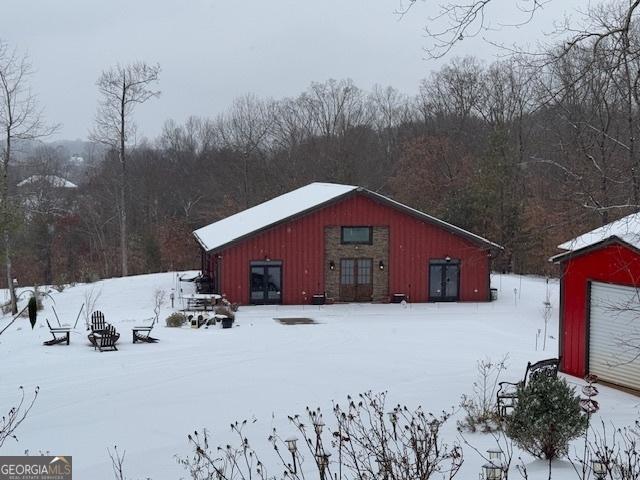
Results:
x,y
212,51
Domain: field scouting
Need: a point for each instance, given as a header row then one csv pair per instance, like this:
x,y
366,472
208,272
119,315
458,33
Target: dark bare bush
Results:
x,y
618,451
10,422
364,441
480,406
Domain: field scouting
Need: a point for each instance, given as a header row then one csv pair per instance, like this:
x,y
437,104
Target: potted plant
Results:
x,y
227,322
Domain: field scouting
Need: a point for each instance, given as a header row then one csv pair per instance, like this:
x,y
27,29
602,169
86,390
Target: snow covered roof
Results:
x,y
627,229
54,180
267,213
296,202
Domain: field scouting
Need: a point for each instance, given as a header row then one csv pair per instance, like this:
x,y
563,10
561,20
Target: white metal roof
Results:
x,y
626,229
296,202
272,211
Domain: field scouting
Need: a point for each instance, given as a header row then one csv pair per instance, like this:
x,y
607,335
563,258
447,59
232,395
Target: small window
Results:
x,y
357,235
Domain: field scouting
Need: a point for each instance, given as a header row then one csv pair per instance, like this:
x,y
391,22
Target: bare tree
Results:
x,y
91,298
122,88
245,130
457,20
20,119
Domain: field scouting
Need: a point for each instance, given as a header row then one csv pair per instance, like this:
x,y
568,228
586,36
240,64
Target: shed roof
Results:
x,y
295,203
625,230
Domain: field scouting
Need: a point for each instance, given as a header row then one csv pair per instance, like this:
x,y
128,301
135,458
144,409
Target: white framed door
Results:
x,y
614,334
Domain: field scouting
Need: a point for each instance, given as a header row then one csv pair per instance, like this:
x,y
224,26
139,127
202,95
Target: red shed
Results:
x,y
342,243
599,304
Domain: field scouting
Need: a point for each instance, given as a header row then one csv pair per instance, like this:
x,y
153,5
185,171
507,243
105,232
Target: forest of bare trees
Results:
x,y
527,151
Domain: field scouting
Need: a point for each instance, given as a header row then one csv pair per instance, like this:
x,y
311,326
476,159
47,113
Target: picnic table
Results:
x,y
201,301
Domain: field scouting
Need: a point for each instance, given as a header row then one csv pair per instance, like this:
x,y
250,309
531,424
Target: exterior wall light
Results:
x,y
332,265
447,258
381,265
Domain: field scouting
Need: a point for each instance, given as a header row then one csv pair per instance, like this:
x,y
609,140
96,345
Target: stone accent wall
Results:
x,y
379,250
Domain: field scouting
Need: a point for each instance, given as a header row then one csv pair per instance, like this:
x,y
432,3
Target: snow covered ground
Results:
x,y
147,397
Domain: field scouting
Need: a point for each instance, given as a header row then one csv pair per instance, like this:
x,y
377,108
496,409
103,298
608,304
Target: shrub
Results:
x,y
232,306
368,442
480,408
225,310
546,418
176,319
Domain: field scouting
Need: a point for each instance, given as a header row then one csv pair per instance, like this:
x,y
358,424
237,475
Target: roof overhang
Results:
x,y
257,231
477,239
612,240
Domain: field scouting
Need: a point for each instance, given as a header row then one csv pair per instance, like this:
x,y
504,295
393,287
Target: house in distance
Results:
x,y
346,244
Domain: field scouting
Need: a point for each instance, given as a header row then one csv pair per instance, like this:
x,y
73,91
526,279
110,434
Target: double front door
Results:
x,y
444,281
266,283
356,279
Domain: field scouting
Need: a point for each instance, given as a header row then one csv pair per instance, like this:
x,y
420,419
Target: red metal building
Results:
x,y
342,243
599,303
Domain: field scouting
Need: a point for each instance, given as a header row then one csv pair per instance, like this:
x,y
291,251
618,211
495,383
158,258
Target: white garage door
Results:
x,y
614,334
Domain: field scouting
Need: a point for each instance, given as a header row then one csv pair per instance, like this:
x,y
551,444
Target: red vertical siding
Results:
x,y
610,264
299,244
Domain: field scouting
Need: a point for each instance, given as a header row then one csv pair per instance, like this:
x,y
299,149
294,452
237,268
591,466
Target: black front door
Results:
x,y
444,281
266,284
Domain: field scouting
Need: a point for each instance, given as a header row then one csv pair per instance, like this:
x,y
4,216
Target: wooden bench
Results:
x,y
60,335
507,395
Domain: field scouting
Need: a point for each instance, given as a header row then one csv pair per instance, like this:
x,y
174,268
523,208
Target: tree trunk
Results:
x,y
123,186
635,181
5,224
123,216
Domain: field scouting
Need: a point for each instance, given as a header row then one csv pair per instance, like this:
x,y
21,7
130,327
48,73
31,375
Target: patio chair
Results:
x,y
97,321
105,340
60,335
98,326
143,334
507,395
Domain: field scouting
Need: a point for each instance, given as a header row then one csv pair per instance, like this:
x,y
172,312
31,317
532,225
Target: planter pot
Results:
x,y
227,322
318,300
398,297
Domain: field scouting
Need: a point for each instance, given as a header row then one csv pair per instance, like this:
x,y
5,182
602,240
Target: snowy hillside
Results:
x,y
147,397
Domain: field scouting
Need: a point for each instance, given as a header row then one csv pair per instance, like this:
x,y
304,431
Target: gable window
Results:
x,y
356,235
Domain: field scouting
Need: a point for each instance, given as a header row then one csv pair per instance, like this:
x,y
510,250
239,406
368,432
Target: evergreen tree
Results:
x,y
546,417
